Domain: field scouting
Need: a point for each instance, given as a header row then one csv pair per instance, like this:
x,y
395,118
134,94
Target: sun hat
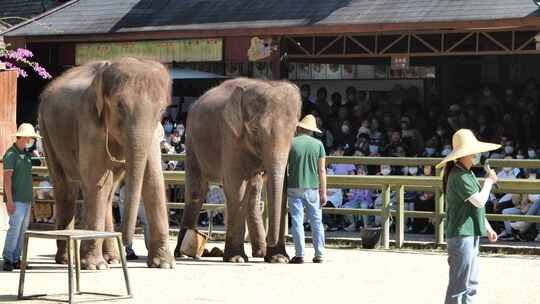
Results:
x,y
26,130
309,123
465,143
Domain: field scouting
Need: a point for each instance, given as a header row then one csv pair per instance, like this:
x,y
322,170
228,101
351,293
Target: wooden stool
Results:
x,y
72,238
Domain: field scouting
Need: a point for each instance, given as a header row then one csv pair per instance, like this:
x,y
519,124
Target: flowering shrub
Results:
x,y
19,60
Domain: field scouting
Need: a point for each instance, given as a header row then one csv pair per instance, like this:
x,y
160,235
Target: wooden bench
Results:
x,y
72,238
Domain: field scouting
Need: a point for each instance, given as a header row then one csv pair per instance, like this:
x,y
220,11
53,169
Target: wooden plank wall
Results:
x,y
8,125
8,108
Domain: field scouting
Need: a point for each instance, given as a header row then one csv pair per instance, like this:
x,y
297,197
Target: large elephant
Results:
x,y
99,124
240,134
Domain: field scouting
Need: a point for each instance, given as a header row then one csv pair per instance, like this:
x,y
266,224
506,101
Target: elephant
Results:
x,y
99,123
239,134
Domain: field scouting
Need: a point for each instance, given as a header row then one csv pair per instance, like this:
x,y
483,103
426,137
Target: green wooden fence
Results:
x,y
391,183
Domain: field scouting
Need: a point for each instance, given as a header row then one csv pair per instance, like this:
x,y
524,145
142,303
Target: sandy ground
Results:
x,y
347,276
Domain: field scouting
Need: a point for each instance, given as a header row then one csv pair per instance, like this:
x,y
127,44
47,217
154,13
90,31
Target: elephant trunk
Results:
x,y
136,165
276,175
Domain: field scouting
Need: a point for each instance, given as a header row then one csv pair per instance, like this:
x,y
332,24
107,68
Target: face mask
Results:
x,y
180,130
385,171
404,170
520,156
476,159
345,129
413,170
430,151
509,149
373,149
30,143
532,154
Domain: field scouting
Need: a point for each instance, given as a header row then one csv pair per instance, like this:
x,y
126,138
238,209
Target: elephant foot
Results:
x,y
236,259
91,262
111,257
161,258
276,255
258,252
235,256
61,257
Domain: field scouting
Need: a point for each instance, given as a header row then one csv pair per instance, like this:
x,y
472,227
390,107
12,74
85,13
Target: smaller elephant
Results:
x,y
240,134
99,124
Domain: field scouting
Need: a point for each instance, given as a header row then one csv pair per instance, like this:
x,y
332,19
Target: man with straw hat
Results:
x,y
306,188
465,214
18,193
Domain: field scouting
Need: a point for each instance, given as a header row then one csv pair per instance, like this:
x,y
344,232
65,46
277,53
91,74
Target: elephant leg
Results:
x,y
236,220
195,194
65,196
110,252
155,206
96,207
254,217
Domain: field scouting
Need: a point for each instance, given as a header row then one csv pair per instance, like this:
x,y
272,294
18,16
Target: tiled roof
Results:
x,y
18,10
100,16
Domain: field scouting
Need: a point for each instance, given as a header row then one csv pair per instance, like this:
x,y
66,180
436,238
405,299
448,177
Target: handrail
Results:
x,y
388,184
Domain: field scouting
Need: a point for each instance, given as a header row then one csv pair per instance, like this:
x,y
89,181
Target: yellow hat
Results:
x,y
26,130
465,143
309,123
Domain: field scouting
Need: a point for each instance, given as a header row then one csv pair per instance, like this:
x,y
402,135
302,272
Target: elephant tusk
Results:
x,y
111,158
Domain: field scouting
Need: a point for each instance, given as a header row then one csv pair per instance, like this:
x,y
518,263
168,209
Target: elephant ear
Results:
x,y
233,112
95,91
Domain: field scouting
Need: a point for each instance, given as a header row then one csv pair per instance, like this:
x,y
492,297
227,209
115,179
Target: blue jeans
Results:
x,y
463,255
18,223
308,198
142,218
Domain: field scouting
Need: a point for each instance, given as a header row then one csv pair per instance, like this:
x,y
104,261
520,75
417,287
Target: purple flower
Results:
x,y
24,53
41,71
19,59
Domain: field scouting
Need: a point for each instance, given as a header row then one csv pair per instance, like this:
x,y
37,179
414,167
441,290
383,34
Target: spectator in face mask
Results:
x,y
168,126
385,170
430,150
308,101
329,106
531,153
345,136
411,198
358,198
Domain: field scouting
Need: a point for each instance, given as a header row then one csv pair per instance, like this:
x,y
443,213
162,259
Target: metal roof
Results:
x,y
121,16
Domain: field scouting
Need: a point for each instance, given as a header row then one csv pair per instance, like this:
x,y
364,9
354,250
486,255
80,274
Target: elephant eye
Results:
x,y
120,107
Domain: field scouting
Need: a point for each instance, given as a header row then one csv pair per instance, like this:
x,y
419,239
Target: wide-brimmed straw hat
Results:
x,y
465,143
26,130
309,123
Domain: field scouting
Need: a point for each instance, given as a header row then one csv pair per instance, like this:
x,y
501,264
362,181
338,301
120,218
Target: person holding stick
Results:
x,y
465,214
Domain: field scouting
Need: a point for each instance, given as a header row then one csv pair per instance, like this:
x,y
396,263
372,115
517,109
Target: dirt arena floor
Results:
x,y
347,276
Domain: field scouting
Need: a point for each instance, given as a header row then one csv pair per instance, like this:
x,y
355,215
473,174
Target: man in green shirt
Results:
x,y
18,194
306,188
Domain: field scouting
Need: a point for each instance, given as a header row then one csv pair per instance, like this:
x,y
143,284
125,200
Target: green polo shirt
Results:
x,y
462,217
21,181
304,162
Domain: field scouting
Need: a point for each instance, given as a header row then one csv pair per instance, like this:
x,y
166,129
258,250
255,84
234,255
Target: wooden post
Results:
x,y
439,210
400,219
385,213
8,126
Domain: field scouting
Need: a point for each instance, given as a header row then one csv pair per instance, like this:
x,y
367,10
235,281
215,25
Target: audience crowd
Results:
x,y
398,124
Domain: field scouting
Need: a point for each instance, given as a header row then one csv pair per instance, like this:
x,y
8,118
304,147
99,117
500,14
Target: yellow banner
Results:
x,y
165,51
